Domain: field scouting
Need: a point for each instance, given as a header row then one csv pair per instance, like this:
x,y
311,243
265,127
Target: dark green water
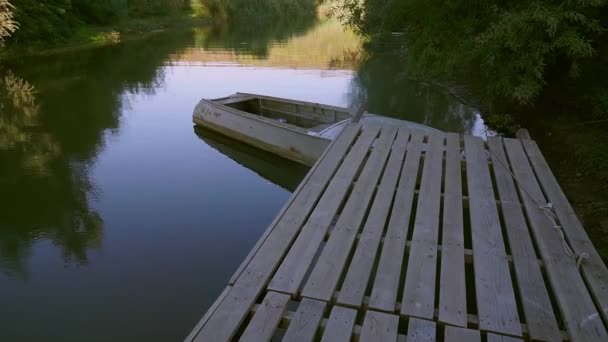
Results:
x,y
118,220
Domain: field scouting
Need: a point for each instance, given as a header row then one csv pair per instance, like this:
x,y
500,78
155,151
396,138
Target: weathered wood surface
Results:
x,y
420,330
542,324
419,289
290,274
303,327
493,287
454,334
452,290
594,269
374,246
266,319
357,278
386,282
340,325
379,326
324,278
231,312
580,316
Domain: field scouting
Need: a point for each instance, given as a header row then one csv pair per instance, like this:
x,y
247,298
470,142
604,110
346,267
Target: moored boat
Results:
x,y
295,130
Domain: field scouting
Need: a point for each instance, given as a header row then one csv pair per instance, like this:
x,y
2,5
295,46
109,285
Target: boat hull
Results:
x,y
265,134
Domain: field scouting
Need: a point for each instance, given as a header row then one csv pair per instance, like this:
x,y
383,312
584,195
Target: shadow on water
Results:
x,y
57,111
279,171
390,93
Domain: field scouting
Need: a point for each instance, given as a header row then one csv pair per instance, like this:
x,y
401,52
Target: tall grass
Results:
x,y
7,24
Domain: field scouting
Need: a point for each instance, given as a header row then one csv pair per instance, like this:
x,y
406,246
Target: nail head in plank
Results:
x,y
386,282
535,301
379,326
494,290
594,269
266,319
455,334
420,330
231,312
579,314
357,278
292,270
419,289
305,323
339,325
326,273
452,285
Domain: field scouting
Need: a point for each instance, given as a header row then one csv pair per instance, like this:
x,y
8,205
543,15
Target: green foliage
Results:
x,y
511,46
54,21
101,11
237,10
51,20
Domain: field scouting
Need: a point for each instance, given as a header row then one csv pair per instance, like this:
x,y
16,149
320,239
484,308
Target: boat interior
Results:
x,y
311,117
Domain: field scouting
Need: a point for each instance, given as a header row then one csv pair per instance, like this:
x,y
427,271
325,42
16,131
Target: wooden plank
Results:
x,y
493,287
207,315
420,330
538,311
386,282
305,323
452,285
579,315
501,338
454,334
594,269
308,188
329,267
358,275
419,290
379,326
266,319
290,274
227,318
340,325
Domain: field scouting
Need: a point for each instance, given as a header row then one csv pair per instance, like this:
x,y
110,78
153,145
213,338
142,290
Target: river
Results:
x,y
119,220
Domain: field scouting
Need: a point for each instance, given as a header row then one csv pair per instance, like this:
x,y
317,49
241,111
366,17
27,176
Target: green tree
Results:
x,y
514,47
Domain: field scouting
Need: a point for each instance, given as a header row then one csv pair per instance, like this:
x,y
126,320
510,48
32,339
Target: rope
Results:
x,y
548,210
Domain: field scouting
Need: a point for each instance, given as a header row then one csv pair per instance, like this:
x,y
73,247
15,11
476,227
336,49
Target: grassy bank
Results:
x,y
88,36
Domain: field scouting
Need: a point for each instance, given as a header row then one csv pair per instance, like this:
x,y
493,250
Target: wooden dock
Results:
x,y
399,234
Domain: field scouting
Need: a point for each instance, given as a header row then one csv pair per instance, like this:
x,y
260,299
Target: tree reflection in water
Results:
x,y
397,95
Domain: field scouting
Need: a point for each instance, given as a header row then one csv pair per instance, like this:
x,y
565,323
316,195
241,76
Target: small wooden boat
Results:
x,y
295,130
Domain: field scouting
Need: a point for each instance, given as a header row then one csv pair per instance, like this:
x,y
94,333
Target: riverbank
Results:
x,y
89,36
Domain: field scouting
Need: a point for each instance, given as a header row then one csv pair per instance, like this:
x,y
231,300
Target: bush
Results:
x,y
48,20
512,46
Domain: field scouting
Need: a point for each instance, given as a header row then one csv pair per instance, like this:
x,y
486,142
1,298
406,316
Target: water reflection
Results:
x,y
281,172
319,47
99,166
390,93
52,123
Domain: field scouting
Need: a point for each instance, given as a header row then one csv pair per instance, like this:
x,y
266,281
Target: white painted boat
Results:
x,y
295,130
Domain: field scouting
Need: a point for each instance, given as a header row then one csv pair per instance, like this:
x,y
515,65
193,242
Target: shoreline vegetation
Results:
x,y
80,24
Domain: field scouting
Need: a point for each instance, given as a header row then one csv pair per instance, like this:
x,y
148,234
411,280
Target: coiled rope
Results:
x,y
549,212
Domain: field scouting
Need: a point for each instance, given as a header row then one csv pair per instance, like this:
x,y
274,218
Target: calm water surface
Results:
x,y
118,220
